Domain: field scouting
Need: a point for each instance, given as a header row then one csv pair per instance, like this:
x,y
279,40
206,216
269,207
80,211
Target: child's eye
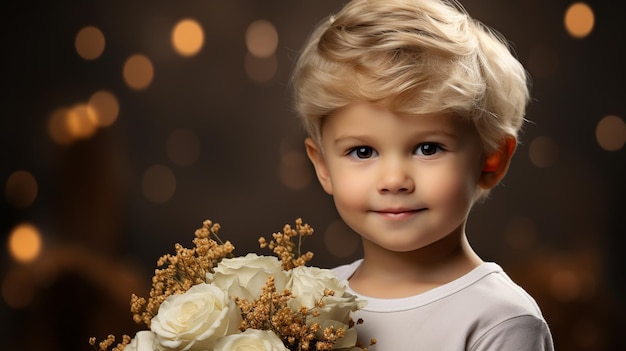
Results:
x,y
362,152
428,149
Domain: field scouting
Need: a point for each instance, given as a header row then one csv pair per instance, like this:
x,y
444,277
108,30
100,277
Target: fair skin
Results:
x,y
406,185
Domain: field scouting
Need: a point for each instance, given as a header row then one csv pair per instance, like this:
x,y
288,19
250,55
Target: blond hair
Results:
x,y
416,57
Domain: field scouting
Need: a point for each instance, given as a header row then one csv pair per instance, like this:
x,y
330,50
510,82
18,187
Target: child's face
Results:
x,y
401,182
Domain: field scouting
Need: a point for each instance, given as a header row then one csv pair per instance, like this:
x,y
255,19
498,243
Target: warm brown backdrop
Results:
x,y
558,230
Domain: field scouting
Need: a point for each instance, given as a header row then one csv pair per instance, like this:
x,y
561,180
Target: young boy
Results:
x,y
413,109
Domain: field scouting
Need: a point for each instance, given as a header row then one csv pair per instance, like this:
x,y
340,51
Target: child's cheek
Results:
x,y
351,193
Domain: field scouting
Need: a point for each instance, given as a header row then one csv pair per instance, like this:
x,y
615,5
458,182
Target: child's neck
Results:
x,y
389,274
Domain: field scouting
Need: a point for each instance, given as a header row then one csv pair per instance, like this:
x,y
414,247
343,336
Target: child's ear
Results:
x,y
497,163
317,158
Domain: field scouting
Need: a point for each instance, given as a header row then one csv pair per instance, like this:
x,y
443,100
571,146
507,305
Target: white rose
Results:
x,y
196,319
245,276
143,341
251,340
308,284
336,314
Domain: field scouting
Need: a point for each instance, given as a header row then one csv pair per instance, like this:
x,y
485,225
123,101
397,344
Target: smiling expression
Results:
x,y
401,182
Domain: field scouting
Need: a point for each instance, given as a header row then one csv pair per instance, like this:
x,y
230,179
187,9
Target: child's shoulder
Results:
x,y
497,290
486,290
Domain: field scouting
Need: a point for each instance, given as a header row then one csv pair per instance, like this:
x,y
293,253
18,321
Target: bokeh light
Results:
x,y
158,184
294,171
340,240
67,125
81,121
89,43
21,189
579,20
611,133
261,69
183,147
25,243
105,107
261,39
565,285
261,63
187,37
138,72
18,288
543,152
57,127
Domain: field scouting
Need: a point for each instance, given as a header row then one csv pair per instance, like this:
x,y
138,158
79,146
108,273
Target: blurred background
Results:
x,y
126,124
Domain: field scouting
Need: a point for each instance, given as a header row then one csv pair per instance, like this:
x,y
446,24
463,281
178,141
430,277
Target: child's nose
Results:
x,y
395,177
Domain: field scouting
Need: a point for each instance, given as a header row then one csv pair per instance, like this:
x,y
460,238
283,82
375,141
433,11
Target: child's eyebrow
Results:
x,y
419,134
351,139
438,132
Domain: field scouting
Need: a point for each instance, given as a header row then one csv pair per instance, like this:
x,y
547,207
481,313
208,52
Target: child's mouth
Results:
x,y
399,214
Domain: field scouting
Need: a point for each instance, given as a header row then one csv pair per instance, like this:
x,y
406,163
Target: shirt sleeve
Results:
x,y
522,333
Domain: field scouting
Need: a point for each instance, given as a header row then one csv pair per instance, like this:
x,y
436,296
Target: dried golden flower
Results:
x,y
105,344
289,254
184,269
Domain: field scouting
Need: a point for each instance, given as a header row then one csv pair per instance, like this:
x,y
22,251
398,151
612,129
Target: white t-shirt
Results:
x,y
482,310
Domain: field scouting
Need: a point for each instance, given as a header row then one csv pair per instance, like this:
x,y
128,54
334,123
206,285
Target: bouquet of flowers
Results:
x,y
205,298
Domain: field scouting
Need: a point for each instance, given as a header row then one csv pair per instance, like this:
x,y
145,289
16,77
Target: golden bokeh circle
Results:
x,y
543,152
89,43
21,189
187,37
611,133
25,243
261,38
105,106
579,20
138,72
158,184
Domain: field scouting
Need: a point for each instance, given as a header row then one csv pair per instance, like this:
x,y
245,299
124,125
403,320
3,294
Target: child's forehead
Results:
x,y
382,110
368,116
